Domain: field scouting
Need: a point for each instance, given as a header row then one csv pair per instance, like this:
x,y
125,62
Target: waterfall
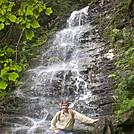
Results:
x,y
59,76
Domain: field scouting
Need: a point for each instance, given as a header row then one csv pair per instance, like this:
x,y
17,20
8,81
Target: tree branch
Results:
x,y
16,57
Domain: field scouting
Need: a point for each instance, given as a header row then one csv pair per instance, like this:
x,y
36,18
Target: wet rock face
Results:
x,y
93,67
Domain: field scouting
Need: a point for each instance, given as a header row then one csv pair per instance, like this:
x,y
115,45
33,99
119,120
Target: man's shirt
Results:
x,y
66,121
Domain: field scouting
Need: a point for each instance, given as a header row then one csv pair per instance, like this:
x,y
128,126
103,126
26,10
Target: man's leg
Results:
x,y
64,132
61,132
69,132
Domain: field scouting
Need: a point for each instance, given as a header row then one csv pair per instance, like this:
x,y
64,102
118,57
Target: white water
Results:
x,y
64,52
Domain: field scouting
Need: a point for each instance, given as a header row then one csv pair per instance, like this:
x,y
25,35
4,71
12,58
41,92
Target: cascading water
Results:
x,y
57,77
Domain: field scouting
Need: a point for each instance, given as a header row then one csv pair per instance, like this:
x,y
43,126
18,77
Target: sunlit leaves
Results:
x,y
7,22
3,10
10,70
24,16
3,85
11,4
1,26
35,1
36,13
16,67
12,18
35,24
18,20
29,34
10,50
29,12
28,9
20,12
28,25
48,11
4,71
2,19
6,13
13,76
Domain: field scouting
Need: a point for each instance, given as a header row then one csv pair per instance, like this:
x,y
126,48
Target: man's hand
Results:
x,y
56,132
94,121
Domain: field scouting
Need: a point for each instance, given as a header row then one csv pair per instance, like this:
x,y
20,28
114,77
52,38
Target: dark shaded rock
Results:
x,y
128,118
103,126
127,122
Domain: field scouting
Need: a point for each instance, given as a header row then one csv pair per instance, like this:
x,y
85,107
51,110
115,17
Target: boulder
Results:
x,y
127,122
103,126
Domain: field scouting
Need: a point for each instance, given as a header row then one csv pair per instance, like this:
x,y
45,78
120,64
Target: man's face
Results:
x,y
64,108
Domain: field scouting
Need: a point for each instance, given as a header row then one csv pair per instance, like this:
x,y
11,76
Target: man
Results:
x,y
66,118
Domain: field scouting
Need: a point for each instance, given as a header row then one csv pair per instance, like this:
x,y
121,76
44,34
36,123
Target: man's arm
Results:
x,y
53,122
84,119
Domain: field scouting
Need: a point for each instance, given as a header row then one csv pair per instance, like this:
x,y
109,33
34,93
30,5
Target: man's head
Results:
x,y
64,106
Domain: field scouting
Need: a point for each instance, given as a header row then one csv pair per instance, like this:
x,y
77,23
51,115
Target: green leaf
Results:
x,y
44,6
29,12
3,12
29,35
35,24
36,13
4,70
23,22
13,76
10,50
48,11
5,65
3,85
40,8
7,22
9,9
16,68
1,26
2,19
18,20
9,60
28,25
35,1
5,1
11,4
20,12
12,18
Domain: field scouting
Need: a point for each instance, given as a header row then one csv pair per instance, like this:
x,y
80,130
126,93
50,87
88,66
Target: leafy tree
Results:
x,y
21,16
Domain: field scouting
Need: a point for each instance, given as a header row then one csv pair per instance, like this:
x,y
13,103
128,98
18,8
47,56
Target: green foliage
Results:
x,y
26,15
127,105
3,85
121,36
9,70
23,16
48,11
29,34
